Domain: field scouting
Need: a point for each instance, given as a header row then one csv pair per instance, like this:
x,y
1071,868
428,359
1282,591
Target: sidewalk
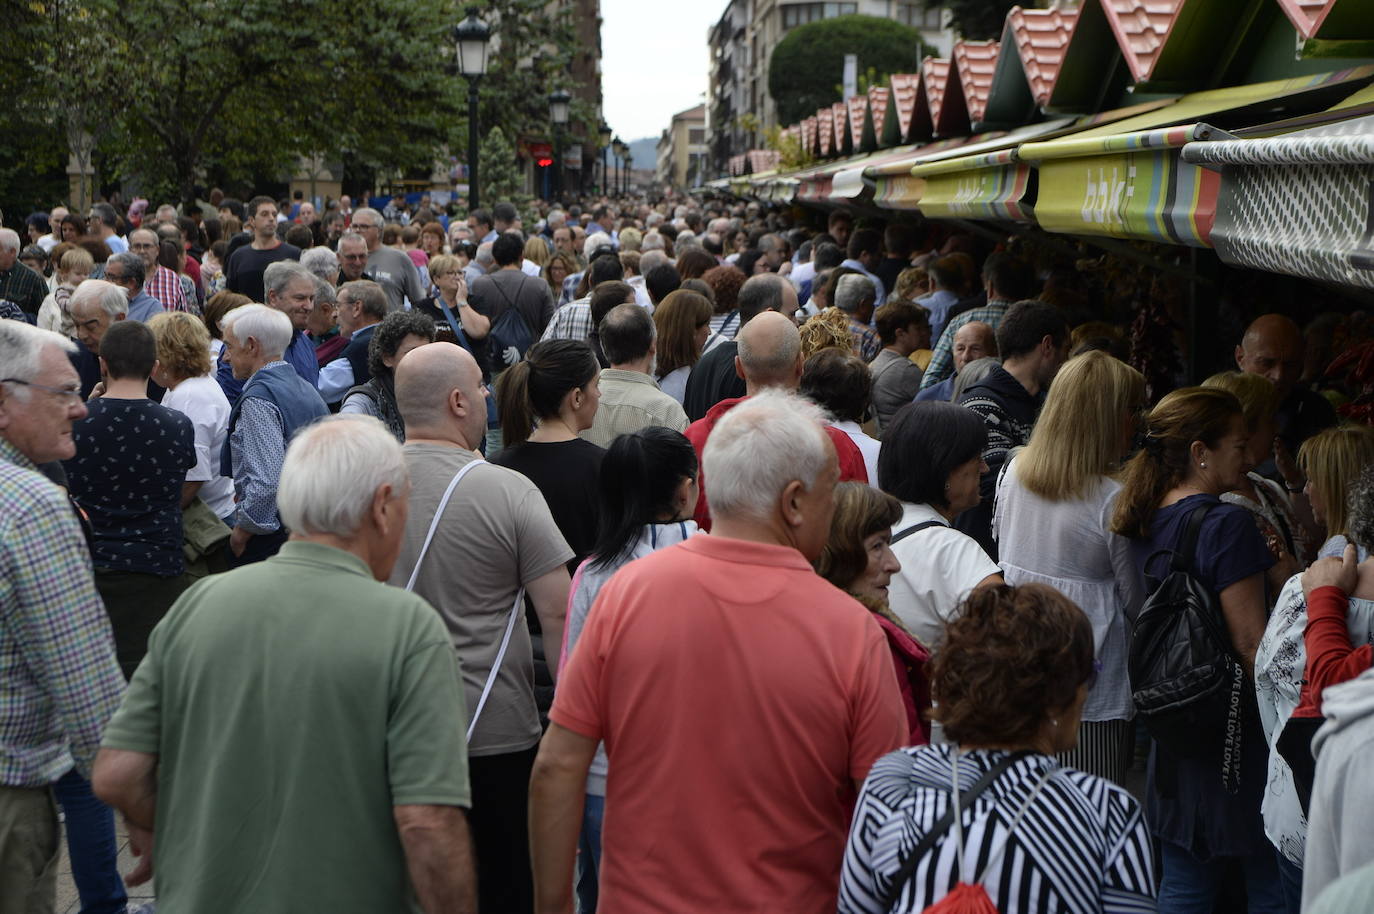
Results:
x,y
67,901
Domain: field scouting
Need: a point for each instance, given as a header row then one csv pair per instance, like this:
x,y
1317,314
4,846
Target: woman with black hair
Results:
x,y
931,460
545,402
648,490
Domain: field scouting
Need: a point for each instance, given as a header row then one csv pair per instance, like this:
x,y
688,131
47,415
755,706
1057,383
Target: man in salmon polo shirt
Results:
x,y
741,698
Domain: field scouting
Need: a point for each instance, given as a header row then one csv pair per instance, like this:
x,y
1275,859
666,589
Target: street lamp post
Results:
x,y
472,35
629,163
604,134
558,113
618,148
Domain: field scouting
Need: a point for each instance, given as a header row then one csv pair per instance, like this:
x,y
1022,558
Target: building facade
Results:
x,y
682,150
741,44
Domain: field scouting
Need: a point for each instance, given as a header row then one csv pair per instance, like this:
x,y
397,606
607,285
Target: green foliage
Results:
x,y
794,155
865,79
981,20
499,172
808,64
168,93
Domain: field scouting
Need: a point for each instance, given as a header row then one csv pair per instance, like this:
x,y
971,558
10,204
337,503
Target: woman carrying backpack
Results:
x,y
1030,836
1204,788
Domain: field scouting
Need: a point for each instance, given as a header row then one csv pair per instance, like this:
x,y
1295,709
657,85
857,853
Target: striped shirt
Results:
x,y
59,682
1081,845
942,359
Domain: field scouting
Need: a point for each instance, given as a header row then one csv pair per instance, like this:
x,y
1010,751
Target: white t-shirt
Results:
x,y
203,402
940,566
867,446
674,383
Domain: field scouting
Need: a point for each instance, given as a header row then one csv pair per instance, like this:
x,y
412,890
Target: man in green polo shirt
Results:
x,y
294,738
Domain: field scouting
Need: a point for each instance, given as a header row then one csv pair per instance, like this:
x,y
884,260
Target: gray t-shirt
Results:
x,y
496,536
396,273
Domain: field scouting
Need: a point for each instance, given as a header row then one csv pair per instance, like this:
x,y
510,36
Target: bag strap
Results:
x,y
453,323
724,326
515,607
915,528
1187,546
957,807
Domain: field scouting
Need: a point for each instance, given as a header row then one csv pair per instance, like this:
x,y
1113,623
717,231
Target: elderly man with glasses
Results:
x,y
160,283
94,306
391,269
127,271
57,661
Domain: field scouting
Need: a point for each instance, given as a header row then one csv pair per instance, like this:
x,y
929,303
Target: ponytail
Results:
x,y
534,388
513,404
1191,414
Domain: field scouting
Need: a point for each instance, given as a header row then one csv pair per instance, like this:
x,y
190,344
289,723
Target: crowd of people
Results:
x,y
659,556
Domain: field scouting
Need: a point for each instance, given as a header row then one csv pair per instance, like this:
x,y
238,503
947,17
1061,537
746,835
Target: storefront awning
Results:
x,y
851,182
992,186
1131,185
1300,204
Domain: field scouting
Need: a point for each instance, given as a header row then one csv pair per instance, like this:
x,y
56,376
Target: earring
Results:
x,y
1203,464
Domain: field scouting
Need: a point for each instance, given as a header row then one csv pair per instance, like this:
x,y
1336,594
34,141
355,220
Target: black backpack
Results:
x,y
1186,681
509,330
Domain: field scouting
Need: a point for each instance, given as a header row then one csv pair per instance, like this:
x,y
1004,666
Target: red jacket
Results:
x,y
851,459
911,661
1331,658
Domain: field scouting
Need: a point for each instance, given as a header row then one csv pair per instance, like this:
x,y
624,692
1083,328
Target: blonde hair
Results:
x,y
1078,435
444,263
1332,461
536,251
75,258
183,344
1258,397
827,330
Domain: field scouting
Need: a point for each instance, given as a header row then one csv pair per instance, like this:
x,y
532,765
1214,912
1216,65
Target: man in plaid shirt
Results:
x,y
59,682
18,283
160,282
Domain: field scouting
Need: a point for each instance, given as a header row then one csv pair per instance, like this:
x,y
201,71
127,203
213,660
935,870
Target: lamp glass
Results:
x,y
473,37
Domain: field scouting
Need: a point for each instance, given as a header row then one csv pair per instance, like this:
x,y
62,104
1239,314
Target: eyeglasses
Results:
x,y
64,392
364,225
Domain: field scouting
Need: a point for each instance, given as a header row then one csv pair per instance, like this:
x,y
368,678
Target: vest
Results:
x,y
356,353
294,397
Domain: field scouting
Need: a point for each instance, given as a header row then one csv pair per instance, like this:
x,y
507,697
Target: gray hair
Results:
x,y
851,291
270,327
21,349
650,259
594,241
759,447
367,293
652,241
321,261
356,449
484,256
325,293
685,240
1360,509
971,374
133,265
653,219
103,293
281,274
351,236
557,219
9,239
369,211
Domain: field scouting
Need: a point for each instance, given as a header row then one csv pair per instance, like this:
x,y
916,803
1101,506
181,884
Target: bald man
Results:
x,y
973,341
769,356
510,547
1273,347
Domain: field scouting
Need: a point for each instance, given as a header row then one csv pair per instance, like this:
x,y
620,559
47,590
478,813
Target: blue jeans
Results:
x,y
1190,886
589,854
91,845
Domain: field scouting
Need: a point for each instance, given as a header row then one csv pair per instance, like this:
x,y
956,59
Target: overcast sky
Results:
x,y
653,61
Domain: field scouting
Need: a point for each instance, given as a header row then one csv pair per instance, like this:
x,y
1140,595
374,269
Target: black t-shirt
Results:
x,y
131,459
566,472
243,273
712,379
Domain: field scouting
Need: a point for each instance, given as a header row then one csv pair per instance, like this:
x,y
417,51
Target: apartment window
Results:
x,y
801,13
918,14
696,136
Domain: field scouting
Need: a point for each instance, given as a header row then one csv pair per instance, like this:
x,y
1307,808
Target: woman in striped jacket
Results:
x,y
1009,682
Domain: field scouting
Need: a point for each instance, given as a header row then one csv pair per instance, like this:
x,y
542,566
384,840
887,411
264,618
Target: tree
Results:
x,y
500,172
809,63
980,20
